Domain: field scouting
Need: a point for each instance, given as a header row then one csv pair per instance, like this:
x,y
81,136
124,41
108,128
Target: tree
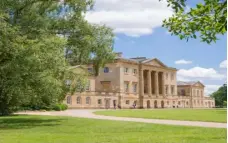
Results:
x,y
95,46
33,68
220,96
207,20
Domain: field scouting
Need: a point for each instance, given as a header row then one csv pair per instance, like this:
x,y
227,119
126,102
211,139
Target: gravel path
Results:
x,y
89,114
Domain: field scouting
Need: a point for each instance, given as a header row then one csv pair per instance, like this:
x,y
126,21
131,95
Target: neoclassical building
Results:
x,y
145,83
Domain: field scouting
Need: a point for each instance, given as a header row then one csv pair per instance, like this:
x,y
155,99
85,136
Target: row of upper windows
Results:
x,y
133,71
171,77
195,92
172,89
106,70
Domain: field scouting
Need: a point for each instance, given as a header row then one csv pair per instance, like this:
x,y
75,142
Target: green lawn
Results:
x,y
47,129
209,115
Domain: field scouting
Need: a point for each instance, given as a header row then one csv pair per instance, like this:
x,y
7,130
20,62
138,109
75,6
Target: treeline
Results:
x,y
220,96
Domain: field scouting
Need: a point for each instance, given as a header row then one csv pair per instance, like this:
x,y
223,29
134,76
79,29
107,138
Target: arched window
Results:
x,y
88,100
68,99
78,100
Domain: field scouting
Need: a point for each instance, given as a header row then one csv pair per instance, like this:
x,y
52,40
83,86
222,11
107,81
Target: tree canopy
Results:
x,y
207,20
34,36
220,96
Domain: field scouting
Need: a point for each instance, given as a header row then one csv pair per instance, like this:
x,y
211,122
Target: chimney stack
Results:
x,y
119,54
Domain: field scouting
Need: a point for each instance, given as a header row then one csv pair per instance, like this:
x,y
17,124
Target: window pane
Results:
x,y
106,69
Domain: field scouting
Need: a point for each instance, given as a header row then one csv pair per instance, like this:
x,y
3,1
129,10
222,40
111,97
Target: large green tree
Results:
x,y
33,37
220,96
206,20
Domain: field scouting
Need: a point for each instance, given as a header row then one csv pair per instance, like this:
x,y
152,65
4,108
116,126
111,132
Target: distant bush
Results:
x,y
64,106
60,107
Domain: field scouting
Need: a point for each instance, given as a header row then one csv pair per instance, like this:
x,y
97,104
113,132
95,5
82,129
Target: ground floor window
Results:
x,y
87,100
68,99
126,86
134,87
78,100
127,102
179,103
99,101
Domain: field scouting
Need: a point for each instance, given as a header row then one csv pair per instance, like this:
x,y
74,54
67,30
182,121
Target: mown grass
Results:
x,y
208,115
48,129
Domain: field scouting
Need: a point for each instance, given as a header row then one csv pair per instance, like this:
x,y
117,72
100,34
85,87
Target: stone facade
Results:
x,y
145,83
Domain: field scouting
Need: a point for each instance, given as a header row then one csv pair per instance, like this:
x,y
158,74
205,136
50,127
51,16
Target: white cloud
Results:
x,y
223,64
210,89
199,72
130,17
183,62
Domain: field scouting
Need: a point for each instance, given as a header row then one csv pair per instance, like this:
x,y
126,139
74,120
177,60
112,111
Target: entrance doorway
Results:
x,y
155,104
107,103
162,104
148,103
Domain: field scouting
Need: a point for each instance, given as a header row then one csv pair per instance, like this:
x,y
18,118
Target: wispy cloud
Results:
x,y
182,61
223,64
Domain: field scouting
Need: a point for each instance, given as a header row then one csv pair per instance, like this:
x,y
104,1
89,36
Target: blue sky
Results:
x,y
138,31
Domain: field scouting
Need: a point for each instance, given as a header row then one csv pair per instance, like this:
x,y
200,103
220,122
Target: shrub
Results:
x,y
60,107
64,106
57,107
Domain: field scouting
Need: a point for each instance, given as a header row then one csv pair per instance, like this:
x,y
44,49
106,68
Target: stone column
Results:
x,y
141,87
149,82
163,84
156,83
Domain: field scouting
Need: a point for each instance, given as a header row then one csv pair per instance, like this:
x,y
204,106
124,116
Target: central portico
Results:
x,y
152,82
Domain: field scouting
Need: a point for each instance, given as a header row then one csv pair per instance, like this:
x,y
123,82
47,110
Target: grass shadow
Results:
x,y
23,122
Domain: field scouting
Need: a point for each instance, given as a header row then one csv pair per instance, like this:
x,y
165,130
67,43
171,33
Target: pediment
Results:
x,y
155,62
198,84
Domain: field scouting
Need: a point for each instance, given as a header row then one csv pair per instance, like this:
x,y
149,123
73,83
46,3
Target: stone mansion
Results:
x,y
139,83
